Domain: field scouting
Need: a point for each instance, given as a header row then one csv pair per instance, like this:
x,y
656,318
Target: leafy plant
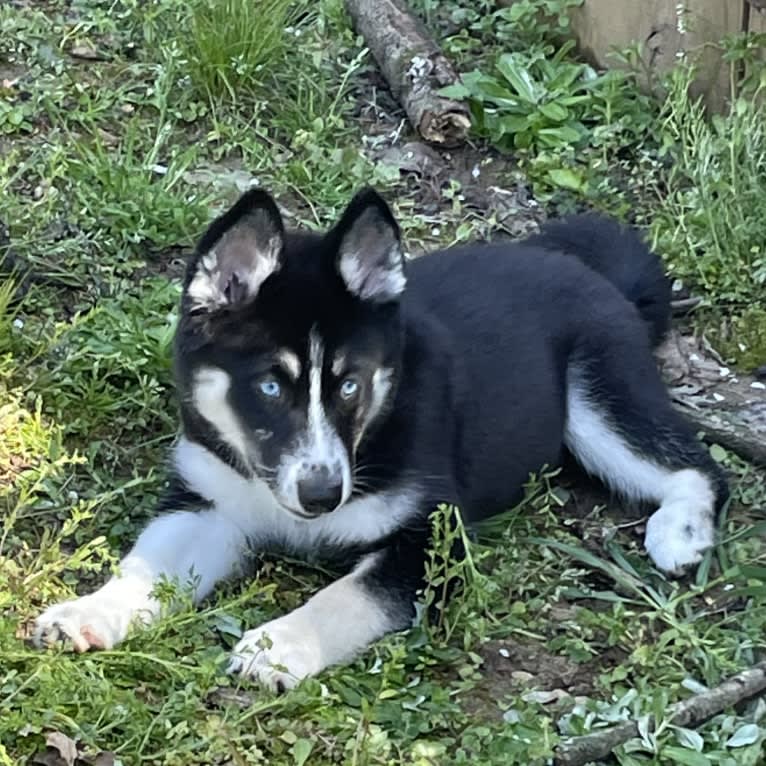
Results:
x,y
535,103
713,196
559,115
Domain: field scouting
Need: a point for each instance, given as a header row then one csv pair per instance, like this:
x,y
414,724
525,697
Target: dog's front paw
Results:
x,y
90,622
278,654
676,539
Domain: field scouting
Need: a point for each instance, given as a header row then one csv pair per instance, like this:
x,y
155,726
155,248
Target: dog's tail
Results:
x,y
618,253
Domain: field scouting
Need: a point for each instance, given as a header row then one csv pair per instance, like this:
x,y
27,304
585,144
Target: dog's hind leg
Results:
x,y
622,428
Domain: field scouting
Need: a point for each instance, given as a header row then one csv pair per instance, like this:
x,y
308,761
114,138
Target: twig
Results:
x,y
692,712
682,305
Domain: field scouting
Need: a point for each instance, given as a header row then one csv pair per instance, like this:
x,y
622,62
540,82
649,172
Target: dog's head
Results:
x,y
288,346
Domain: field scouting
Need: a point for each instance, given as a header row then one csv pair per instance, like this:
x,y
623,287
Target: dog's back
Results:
x,y
618,253
516,316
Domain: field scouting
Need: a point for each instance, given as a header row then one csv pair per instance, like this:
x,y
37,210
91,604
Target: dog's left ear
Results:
x,y
238,253
370,259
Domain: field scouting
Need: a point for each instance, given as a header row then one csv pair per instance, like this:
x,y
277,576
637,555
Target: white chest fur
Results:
x,y
251,506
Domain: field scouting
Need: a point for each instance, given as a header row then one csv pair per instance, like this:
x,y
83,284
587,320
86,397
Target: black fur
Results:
x,y
332,396
616,252
483,341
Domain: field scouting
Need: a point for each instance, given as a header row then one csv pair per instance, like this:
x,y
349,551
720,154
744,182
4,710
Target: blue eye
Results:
x,y
348,388
270,387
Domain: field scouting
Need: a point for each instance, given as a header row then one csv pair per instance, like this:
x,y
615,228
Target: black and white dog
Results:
x,y
332,395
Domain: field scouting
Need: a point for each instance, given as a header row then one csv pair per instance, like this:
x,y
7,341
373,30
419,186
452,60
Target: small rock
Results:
x,y
719,397
504,653
564,611
757,384
724,371
546,697
521,676
87,52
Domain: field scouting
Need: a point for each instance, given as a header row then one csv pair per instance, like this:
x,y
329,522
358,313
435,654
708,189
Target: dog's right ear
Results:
x,y
240,250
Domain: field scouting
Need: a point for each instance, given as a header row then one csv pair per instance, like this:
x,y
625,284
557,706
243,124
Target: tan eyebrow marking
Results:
x,y
338,363
290,363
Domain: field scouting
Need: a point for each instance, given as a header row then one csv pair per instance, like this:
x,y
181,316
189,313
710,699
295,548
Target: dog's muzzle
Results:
x,y
320,491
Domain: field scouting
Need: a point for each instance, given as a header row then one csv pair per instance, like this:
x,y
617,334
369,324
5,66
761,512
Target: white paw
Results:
x,y
90,622
278,654
676,538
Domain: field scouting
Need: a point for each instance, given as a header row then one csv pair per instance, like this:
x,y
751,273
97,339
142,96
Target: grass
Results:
x,y
717,192
231,45
109,168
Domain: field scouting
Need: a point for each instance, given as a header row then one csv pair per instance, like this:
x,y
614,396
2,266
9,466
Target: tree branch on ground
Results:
x,y
577,751
414,67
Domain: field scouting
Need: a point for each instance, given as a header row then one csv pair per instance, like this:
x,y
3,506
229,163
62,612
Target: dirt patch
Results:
x,y
529,666
528,670
490,186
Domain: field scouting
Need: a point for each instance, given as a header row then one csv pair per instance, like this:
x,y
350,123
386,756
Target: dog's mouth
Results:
x,y
302,499
297,511
302,514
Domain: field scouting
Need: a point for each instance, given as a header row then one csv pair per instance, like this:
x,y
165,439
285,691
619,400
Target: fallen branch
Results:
x,y
728,408
414,67
726,430
692,712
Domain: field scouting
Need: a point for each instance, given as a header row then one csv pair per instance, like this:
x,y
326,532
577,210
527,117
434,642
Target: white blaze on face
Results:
x,y
320,432
320,445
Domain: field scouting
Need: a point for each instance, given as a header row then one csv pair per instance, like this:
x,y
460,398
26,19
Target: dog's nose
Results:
x,y
320,492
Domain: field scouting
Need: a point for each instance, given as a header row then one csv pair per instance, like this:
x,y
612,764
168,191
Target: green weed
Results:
x,y
714,194
232,45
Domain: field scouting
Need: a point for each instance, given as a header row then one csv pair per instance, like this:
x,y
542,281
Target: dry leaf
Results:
x,y
61,750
